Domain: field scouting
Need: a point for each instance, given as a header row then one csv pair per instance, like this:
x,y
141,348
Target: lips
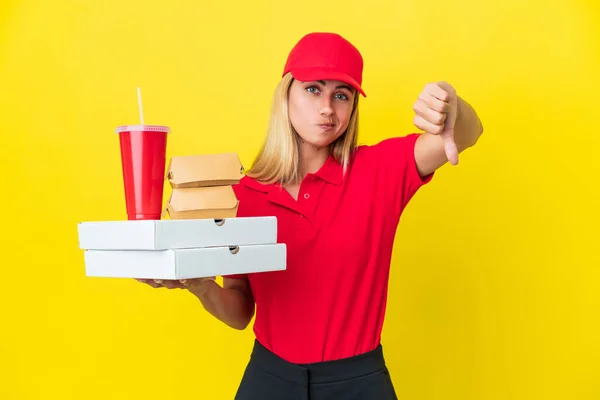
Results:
x,y
326,127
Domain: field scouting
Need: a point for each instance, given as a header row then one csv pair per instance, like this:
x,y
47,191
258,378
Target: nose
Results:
x,y
325,108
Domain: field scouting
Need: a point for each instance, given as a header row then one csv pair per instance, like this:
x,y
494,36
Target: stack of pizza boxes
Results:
x,y
199,235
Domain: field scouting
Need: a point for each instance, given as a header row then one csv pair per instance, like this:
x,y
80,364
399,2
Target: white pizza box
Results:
x,y
176,234
185,263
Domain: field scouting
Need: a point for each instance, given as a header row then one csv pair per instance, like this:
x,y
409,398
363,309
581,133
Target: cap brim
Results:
x,y
312,74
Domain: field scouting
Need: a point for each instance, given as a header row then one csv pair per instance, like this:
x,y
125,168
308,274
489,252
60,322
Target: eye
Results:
x,y
312,89
342,96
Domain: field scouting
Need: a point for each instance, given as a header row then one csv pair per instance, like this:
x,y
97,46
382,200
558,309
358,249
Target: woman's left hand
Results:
x,y
436,109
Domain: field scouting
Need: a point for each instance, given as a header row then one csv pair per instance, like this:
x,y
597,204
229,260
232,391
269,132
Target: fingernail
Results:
x,y
159,281
184,281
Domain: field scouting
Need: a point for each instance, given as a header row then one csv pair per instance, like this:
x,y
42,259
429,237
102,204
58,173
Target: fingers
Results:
x,y
172,284
176,284
189,283
440,90
160,283
434,103
149,282
427,126
429,114
437,92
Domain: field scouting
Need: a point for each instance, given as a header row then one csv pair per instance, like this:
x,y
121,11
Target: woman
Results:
x,y
318,323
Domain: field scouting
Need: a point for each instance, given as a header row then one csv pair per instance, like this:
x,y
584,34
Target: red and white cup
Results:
x,y
143,160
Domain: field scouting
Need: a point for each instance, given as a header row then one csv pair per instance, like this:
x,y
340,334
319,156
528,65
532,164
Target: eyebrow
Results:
x,y
337,87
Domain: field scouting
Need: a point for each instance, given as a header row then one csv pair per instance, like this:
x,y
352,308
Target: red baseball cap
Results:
x,y
324,55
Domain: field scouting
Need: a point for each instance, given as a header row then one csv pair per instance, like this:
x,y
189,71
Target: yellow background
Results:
x,y
495,286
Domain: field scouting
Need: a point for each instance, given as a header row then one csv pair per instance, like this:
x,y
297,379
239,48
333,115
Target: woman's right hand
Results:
x,y
197,286
233,303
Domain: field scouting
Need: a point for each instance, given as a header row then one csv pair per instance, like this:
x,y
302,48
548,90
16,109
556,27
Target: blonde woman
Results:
x,y
318,323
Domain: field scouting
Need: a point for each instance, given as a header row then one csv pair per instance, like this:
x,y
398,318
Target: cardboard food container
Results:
x,y
203,170
176,234
203,236
202,186
203,202
185,263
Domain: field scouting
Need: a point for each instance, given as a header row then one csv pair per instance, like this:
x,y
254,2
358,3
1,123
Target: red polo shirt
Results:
x,y
330,301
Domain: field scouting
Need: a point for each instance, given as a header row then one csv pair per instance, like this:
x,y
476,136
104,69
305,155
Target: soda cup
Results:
x,y
143,160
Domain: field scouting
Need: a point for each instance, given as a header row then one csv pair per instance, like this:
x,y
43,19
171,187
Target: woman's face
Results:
x,y
320,111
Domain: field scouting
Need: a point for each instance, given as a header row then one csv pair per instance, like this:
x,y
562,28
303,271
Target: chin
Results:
x,y
320,140
319,143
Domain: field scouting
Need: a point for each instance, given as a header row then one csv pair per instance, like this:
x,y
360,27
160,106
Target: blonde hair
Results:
x,y
278,158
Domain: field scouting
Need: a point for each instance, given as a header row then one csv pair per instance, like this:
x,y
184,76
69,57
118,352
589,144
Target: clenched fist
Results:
x,y
435,113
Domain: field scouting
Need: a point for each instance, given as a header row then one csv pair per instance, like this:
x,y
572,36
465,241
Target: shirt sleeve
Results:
x,y
398,167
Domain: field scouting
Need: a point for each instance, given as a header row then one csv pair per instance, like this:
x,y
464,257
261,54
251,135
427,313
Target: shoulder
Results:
x,y
248,186
398,150
394,157
251,196
389,145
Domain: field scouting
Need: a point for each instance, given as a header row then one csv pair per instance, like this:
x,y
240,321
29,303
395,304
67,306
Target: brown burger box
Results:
x,y
202,186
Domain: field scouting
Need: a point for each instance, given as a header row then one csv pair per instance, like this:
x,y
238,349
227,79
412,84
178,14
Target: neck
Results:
x,y
311,159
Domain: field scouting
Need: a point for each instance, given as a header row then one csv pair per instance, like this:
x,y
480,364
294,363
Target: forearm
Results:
x,y
230,306
468,127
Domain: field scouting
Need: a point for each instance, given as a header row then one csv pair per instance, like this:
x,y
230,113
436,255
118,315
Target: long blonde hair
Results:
x,y
278,158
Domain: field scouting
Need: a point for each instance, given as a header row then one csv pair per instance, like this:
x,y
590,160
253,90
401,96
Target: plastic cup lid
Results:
x,y
145,128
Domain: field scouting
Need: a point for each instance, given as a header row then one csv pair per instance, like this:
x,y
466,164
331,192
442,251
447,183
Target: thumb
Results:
x,y
448,133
